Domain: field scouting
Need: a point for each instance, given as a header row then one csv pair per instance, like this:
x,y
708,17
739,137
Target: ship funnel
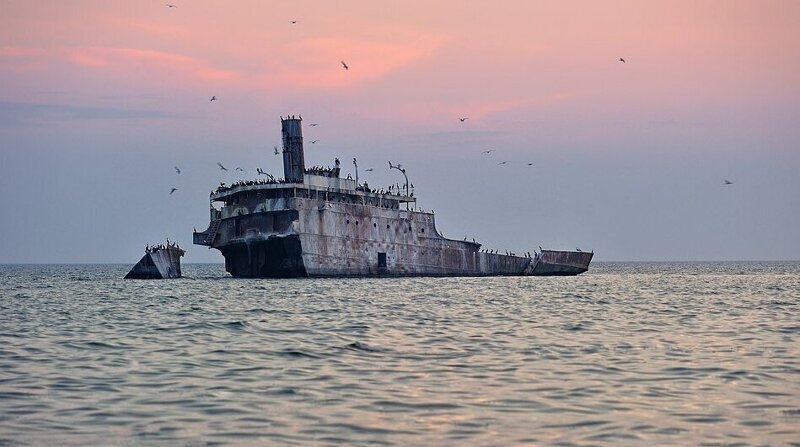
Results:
x,y
294,165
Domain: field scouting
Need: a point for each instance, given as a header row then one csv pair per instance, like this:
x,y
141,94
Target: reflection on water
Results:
x,y
625,354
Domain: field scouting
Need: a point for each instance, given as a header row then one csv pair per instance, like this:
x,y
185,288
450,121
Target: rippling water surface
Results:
x,y
627,354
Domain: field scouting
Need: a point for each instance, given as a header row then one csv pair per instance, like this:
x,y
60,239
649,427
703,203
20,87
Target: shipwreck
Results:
x,y
160,261
313,223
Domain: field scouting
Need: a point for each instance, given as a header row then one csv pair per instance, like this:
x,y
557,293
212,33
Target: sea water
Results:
x,y
626,354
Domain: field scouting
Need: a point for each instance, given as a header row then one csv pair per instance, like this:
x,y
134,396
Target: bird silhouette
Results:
x,y
503,162
622,60
369,170
313,124
172,190
530,164
488,151
345,66
577,249
314,141
292,21
276,149
728,182
222,167
239,169
463,119
177,170
170,5
213,98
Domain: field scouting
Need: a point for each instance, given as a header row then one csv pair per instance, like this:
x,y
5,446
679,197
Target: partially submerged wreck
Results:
x,y
159,262
312,223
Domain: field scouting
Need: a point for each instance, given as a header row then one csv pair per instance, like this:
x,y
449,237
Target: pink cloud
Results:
x,y
149,62
316,62
479,110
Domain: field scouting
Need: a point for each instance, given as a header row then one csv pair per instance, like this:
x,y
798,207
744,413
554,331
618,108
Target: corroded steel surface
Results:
x,y
163,263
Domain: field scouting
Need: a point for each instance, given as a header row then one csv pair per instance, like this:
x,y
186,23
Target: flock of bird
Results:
x,y
346,67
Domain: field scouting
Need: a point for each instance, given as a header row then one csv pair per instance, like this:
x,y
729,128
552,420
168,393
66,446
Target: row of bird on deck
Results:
x,y
158,247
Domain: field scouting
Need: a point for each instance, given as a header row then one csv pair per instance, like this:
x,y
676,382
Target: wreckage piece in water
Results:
x,y
158,262
313,223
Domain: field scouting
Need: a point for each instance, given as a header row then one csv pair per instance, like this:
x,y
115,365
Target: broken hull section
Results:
x,y
160,264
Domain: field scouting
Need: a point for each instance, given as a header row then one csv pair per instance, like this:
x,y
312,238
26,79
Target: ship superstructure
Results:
x,y
314,223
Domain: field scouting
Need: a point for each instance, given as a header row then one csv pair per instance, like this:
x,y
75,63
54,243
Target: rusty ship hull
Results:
x,y
314,224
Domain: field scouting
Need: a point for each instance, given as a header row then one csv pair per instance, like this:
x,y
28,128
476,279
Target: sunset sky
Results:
x,y
100,99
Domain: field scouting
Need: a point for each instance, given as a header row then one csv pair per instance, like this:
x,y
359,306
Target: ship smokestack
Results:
x,y
294,164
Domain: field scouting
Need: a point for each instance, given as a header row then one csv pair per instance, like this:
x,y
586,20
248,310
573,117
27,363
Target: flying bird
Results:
x,y
213,98
292,21
172,190
222,167
728,182
530,164
489,151
170,5
177,170
622,60
239,169
276,150
463,119
369,170
314,141
503,162
345,66
313,124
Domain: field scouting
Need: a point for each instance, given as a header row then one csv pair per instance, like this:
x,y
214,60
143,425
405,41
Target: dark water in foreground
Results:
x,y
627,354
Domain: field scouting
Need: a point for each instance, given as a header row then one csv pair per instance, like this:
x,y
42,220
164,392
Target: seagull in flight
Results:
x,y
369,170
213,98
463,119
622,60
276,149
314,141
345,66
313,125
503,162
488,151
172,190
177,170
530,164
728,182
239,169
170,5
222,167
292,21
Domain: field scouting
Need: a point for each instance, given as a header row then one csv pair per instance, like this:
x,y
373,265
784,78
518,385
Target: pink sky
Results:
x,y
417,63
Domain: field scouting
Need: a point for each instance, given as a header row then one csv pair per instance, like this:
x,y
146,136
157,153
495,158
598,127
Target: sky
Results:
x,y
100,99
